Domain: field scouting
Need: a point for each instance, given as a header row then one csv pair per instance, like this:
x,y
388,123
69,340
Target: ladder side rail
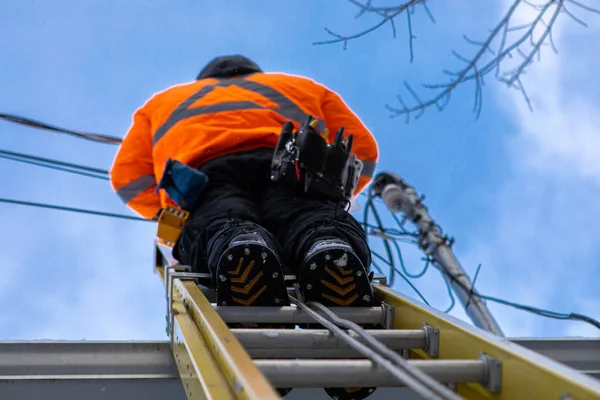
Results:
x,y
199,373
244,377
525,373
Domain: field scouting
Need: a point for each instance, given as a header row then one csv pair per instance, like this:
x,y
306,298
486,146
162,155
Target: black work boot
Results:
x,y
333,275
249,273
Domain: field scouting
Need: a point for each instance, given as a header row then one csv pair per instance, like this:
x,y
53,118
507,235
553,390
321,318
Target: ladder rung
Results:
x,y
211,294
293,315
355,373
319,343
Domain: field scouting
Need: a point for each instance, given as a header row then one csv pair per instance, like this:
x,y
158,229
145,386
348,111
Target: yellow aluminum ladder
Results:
x,y
216,362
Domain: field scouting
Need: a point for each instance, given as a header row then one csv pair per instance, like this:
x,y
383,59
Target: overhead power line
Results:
x,y
71,209
72,171
41,125
535,310
55,164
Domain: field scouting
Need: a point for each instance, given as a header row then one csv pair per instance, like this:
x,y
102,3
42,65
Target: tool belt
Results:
x,y
305,159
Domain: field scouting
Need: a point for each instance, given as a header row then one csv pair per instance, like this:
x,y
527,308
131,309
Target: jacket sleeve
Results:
x,y
337,114
132,173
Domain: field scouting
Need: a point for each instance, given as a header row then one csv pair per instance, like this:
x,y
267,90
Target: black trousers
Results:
x,y
241,196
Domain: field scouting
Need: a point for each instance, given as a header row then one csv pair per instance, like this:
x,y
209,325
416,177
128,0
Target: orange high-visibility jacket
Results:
x,y
195,122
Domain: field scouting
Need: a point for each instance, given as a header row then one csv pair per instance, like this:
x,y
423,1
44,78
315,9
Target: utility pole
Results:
x,y
398,196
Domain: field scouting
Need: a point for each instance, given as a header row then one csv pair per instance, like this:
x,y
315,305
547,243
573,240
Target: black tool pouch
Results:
x,y
305,159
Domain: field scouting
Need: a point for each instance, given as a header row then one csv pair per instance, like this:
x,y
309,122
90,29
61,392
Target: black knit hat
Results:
x,y
227,66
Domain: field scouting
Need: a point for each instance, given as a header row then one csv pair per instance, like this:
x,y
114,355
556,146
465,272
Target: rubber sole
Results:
x,y
335,277
250,274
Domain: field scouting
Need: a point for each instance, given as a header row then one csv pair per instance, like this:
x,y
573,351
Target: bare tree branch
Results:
x,y
504,41
472,72
387,14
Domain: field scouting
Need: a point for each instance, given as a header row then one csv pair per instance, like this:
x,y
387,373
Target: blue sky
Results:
x,y
517,190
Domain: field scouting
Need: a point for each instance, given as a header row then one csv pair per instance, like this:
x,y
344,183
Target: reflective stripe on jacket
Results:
x,y
204,119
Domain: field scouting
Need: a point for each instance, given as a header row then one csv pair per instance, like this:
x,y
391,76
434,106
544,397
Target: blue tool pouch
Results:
x,y
182,183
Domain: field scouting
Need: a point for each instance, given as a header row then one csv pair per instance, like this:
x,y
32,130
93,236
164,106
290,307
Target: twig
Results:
x,y
505,49
387,14
525,45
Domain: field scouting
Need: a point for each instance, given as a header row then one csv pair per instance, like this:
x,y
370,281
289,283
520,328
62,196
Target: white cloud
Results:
x,y
541,248
561,137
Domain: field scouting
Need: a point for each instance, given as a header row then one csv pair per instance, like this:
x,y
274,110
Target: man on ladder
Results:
x,y
239,149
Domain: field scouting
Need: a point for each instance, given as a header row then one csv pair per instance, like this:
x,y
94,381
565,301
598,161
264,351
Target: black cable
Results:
x,y
388,250
450,294
403,266
377,255
425,268
39,164
374,264
403,277
542,312
422,272
370,208
531,309
399,223
473,286
78,210
41,125
366,210
55,162
390,233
